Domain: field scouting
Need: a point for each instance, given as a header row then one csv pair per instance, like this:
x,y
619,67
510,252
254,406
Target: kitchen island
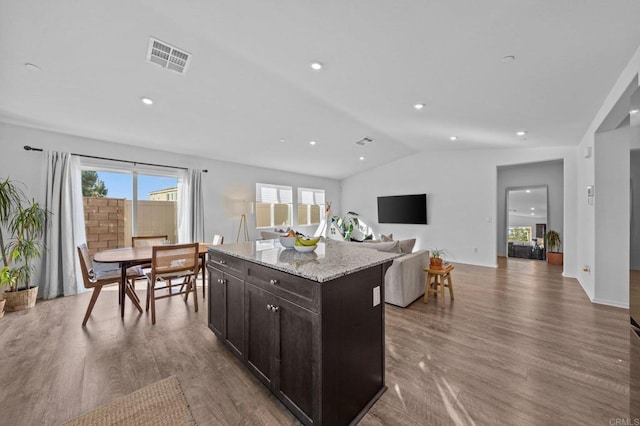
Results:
x,y
310,326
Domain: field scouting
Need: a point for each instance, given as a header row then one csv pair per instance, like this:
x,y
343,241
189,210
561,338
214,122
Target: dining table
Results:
x,y
134,256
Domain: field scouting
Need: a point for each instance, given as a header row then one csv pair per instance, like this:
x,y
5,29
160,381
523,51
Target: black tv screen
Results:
x,y
403,209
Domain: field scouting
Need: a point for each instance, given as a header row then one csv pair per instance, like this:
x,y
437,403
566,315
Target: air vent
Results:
x,y
364,141
168,56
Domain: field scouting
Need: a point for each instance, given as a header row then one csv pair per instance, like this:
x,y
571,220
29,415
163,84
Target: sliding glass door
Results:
x,y
119,204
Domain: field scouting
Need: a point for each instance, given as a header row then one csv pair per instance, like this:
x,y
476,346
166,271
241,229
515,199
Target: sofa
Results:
x,y
404,280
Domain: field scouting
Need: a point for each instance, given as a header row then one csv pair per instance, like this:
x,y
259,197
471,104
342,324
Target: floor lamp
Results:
x,y
242,227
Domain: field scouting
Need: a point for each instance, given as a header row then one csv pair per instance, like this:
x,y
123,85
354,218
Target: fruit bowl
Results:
x,y
287,242
305,249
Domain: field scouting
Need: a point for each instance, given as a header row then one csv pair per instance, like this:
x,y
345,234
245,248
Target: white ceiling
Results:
x,y
249,83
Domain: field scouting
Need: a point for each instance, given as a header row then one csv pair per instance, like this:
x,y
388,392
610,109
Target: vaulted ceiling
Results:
x,y
250,96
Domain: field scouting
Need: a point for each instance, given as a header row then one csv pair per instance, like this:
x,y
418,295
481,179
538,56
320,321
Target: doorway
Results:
x,y
526,214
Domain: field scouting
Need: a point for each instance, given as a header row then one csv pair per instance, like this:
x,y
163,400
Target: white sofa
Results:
x,y
404,280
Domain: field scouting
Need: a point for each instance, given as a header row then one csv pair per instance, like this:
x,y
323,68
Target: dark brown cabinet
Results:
x,y
280,337
226,308
319,347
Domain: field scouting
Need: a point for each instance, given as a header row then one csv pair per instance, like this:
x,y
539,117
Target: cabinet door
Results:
x,y
234,318
259,332
216,302
297,341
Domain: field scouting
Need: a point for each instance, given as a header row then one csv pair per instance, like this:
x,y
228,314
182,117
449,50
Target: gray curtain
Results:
x,y
60,274
190,207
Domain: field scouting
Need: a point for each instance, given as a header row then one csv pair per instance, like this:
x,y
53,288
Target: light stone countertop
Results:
x,y
330,260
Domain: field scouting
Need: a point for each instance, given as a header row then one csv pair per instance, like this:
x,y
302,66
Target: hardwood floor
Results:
x,y
520,345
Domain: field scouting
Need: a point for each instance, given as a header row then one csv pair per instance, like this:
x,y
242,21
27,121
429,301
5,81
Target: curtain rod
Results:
x,y
135,163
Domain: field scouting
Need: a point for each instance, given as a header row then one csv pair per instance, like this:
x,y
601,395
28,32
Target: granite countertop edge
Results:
x,y
321,279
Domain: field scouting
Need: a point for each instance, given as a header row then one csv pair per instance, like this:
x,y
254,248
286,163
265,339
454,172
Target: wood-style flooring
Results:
x,y
520,345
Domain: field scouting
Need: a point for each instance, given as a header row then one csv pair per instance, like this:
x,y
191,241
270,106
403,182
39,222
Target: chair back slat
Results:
x,y
88,276
148,241
170,260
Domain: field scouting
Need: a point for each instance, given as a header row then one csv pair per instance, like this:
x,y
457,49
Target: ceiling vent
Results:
x,y
364,141
168,56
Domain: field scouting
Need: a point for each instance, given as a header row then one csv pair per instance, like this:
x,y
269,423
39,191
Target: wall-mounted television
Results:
x,y
403,209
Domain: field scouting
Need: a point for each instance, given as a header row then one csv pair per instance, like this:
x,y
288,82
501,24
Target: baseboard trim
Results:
x,y
606,302
611,303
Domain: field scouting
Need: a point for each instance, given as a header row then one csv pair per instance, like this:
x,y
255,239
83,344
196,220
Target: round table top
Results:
x,y
133,254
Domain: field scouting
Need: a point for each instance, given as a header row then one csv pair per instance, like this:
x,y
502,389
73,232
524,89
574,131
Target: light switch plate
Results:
x,y
376,296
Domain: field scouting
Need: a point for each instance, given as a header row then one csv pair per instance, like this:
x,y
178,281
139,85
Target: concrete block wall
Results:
x,y
104,223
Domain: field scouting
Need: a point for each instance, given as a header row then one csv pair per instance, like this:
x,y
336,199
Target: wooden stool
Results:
x,y
435,283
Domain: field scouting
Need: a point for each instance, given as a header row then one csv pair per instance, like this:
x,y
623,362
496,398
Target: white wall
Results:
x,y
462,199
585,214
225,181
634,234
611,203
549,173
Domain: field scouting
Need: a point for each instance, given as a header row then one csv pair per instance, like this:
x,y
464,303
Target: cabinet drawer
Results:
x,y
295,289
226,263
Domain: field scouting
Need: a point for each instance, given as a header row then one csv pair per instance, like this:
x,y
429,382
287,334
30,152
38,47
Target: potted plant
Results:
x,y
435,260
553,244
24,220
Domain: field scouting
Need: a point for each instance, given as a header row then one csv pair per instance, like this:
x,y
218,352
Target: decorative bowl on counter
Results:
x,y
287,242
305,249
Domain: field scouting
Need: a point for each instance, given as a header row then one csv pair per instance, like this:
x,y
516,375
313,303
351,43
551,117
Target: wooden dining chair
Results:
x,y
96,280
148,241
172,266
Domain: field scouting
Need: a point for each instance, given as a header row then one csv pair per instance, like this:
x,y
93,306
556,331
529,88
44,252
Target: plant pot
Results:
x,y
555,258
435,263
2,302
21,299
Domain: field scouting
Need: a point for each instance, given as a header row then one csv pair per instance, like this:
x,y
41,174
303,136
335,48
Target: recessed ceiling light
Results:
x,y
521,132
147,101
453,138
533,208
528,191
316,66
634,111
418,106
32,67
361,158
507,59
312,142
533,214
281,140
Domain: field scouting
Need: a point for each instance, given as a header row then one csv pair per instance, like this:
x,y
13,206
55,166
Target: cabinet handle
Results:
x,y
274,282
275,308
219,281
223,262
270,307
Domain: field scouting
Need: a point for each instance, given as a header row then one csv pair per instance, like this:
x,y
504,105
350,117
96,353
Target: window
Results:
x,y
273,205
310,206
519,233
120,203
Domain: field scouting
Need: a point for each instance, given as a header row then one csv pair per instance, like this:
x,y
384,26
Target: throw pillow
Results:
x,y
389,246
406,246
386,237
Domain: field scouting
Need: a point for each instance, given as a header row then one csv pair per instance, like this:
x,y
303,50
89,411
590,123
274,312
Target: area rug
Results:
x,y
160,403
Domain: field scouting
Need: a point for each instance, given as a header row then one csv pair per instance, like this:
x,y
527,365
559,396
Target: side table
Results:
x,y
437,280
